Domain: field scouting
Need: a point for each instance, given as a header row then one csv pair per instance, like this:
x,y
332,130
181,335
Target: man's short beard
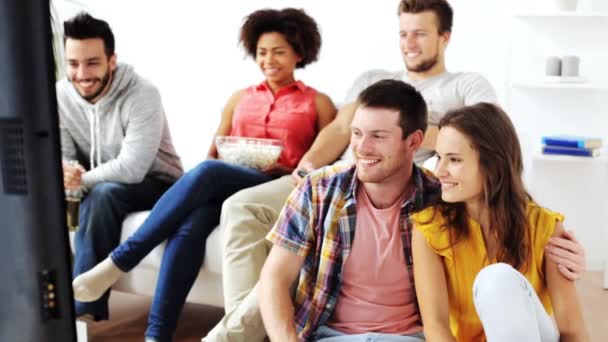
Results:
x,y
104,83
424,65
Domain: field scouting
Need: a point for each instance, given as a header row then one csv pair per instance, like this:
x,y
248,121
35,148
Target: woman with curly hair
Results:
x,y
280,107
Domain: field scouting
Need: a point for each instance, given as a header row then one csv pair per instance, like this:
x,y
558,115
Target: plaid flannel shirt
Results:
x,y
318,222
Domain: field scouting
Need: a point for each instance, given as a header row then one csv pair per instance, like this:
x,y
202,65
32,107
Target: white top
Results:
x,y
442,93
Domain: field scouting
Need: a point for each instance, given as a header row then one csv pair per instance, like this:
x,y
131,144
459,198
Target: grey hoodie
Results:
x,y
128,129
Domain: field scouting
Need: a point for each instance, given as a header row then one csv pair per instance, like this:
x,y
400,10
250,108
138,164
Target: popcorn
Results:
x,y
251,152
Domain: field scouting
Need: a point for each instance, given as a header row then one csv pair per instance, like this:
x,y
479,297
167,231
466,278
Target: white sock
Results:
x,y
91,285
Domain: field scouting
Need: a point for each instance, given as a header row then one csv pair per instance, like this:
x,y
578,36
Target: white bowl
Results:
x,y
256,153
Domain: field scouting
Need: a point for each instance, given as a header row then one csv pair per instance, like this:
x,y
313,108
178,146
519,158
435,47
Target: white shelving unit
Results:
x,y
556,85
556,14
574,186
591,161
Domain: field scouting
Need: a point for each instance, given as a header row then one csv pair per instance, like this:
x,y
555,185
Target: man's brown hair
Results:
x,y
441,8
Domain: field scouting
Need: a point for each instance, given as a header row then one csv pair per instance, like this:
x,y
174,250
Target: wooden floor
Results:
x,y
129,316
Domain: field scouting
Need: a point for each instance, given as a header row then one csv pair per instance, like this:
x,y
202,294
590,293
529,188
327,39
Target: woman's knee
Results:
x,y
205,167
210,170
495,279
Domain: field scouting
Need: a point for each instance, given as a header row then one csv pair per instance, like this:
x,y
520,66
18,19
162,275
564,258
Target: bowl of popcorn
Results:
x,y
256,153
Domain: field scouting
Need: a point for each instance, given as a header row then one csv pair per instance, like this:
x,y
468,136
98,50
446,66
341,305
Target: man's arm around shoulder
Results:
x,y
332,140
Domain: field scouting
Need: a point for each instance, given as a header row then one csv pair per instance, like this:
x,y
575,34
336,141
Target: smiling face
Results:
x,y
381,153
88,67
421,44
458,168
276,58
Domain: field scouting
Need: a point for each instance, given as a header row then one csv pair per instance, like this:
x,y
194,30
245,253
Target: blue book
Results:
x,y
572,141
571,151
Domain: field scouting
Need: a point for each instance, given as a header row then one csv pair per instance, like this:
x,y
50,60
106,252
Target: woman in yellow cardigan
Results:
x,y
479,256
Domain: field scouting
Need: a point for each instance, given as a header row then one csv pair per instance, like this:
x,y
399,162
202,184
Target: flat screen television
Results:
x,y
35,288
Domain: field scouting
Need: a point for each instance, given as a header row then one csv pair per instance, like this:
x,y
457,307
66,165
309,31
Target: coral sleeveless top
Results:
x,y
289,115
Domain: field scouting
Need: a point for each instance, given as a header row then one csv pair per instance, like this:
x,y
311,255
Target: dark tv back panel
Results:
x,y
12,157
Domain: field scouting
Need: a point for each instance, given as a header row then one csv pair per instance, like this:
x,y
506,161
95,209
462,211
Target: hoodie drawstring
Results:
x,y
95,133
92,135
98,135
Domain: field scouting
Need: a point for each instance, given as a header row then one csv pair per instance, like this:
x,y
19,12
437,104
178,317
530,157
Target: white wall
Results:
x,y
189,49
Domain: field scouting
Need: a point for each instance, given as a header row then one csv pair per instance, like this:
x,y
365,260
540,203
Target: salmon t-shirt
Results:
x,y
376,294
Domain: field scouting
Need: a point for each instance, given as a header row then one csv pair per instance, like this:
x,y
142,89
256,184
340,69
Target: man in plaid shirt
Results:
x,y
347,287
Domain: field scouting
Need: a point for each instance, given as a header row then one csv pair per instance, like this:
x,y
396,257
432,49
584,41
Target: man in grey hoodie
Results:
x,y
113,123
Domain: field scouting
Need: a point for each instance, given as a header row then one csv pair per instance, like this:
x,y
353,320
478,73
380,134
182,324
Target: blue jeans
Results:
x,y
101,214
326,334
184,216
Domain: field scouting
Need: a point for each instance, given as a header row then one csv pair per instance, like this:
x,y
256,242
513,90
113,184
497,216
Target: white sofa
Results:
x,y
207,288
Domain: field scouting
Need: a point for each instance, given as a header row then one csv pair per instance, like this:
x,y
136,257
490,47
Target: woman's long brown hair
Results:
x,y
492,134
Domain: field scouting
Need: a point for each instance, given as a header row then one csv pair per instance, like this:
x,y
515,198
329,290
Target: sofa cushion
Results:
x,y
213,250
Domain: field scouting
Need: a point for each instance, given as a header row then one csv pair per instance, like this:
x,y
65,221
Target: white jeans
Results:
x,y
509,308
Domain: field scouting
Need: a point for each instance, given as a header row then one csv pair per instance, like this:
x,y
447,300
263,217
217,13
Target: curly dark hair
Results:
x,y
300,31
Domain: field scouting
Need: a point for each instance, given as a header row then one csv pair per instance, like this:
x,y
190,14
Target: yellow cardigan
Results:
x,y
463,261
